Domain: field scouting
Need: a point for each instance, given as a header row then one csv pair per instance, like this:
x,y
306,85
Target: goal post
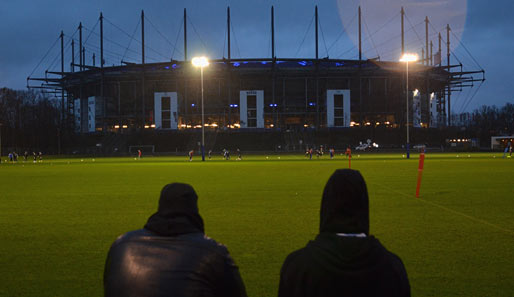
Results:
x,y
145,149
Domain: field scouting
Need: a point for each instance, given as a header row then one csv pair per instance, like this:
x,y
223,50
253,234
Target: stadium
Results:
x,y
257,95
447,213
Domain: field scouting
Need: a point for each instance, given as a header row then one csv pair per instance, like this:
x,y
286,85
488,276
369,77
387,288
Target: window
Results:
x,y
165,103
166,112
338,101
251,101
338,110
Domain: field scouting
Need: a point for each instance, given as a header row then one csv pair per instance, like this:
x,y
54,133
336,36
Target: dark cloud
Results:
x,y
29,27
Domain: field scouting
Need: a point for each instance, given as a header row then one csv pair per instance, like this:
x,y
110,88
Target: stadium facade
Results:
x,y
257,93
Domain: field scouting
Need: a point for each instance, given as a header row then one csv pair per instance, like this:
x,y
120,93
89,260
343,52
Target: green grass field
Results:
x,y
59,218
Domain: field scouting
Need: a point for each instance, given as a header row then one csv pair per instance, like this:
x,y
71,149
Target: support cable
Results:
x,y
235,38
394,50
90,31
370,37
176,39
130,40
380,44
398,36
416,32
162,35
132,37
455,56
58,56
471,99
465,100
109,52
122,46
455,100
323,37
199,37
460,42
343,31
123,31
381,27
307,32
44,57
353,47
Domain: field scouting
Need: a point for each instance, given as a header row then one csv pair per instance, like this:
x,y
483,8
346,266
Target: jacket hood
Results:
x,y
177,213
347,253
345,205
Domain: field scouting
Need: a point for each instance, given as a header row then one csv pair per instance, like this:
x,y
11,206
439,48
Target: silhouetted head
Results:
x,y
345,205
177,212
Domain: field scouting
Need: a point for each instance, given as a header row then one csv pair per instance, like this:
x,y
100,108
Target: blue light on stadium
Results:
x,y
303,63
233,105
339,64
273,105
193,105
174,66
236,64
166,67
264,62
312,104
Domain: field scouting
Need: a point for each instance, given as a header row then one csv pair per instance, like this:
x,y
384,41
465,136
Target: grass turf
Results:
x,y
59,218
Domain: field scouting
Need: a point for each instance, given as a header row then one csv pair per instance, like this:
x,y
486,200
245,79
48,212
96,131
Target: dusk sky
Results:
x,y
29,28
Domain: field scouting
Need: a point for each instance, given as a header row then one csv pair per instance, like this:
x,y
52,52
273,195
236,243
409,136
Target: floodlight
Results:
x,y
200,61
409,58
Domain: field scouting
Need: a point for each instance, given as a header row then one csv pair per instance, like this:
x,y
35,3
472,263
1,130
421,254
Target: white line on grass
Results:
x,y
448,209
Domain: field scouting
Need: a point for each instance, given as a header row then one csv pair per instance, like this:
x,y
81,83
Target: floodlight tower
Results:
x,y
201,62
407,58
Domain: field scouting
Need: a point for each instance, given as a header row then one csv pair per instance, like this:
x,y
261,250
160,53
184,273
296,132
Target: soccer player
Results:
x,y
209,154
25,156
239,155
40,157
331,151
139,153
35,156
191,152
348,152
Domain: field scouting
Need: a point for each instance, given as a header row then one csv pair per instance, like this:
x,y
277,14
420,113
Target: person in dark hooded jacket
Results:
x,y
171,256
344,260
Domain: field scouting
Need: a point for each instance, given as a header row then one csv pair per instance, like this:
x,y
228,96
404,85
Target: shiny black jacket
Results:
x,y
142,263
171,256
